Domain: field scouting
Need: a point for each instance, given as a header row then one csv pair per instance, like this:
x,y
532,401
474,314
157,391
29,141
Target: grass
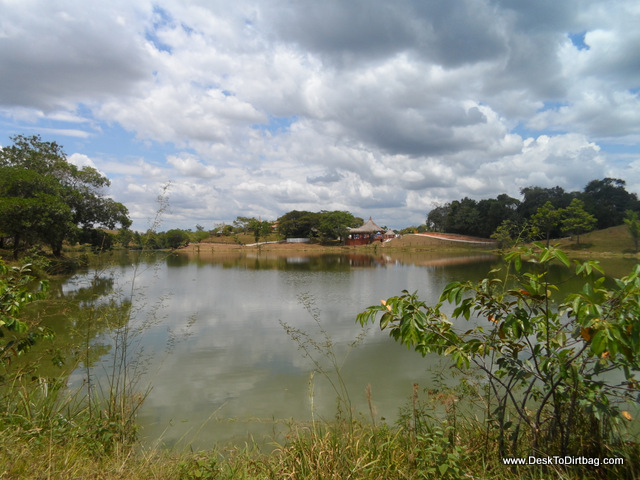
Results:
x,y
613,241
60,442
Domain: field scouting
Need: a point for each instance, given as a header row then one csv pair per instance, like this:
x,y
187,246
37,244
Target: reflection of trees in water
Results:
x,y
81,311
322,262
294,262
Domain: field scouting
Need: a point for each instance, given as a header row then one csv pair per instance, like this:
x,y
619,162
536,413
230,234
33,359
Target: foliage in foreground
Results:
x,y
16,290
560,372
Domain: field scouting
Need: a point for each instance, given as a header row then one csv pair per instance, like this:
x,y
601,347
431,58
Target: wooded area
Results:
x,y
551,212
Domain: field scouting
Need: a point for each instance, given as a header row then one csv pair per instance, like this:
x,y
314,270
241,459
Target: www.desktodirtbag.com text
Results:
x,y
562,460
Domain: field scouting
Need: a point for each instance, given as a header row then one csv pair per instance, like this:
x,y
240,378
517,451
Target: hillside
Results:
x,y
610,241
613,241
439,241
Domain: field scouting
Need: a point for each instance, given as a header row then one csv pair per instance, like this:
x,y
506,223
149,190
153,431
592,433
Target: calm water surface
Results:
x,y
215,349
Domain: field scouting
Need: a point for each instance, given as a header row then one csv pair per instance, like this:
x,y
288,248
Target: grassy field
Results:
x,y
610,241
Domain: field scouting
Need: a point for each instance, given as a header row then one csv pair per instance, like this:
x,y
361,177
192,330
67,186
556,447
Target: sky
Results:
x,y
385,109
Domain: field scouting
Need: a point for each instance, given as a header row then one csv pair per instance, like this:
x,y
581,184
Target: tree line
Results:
x,y
324,226
551,212
44,199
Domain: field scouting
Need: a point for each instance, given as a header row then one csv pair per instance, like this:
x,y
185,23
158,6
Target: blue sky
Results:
x,y
385,109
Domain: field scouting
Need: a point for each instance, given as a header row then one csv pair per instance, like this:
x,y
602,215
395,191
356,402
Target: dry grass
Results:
x,y
327,452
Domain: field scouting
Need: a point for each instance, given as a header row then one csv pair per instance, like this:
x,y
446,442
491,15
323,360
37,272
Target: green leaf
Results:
x,y
599,342
560,255
518,263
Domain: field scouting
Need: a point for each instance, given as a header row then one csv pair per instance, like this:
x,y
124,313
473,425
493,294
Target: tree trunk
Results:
x,y
56,248
16,246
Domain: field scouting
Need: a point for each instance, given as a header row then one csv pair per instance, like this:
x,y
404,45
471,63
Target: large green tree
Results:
x,y
175,238
464,217
336,224
437,217
298,224
575,220
30,207
494,212
260,228
608,200
44,198
546,220
536,197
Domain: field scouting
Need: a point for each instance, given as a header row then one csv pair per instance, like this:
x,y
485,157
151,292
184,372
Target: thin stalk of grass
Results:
x,y
371,408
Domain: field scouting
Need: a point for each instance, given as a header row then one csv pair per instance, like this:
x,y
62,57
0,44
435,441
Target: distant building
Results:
x,y
368,233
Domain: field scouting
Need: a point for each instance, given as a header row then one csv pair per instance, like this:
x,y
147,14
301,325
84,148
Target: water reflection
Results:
x,y
212,340
215,348
320,262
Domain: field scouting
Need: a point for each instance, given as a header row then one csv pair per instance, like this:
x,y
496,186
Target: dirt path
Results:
x,y
456,238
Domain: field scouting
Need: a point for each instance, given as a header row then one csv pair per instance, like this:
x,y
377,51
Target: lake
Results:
x,y
213,336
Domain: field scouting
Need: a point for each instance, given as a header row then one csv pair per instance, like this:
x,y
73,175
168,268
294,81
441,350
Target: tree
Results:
x,y
55,198
260,229
336,224
536,197
546,219
437,217
151,240
31,208
175,238
631,220
464,217
575,220
509,234
494,211
298,224
200,234
99,239
242,224
608,200
125,237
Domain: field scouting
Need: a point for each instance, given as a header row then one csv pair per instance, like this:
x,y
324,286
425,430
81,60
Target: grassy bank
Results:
x,y
44,439
614,241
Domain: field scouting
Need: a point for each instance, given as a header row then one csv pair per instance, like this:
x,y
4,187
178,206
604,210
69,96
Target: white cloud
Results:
x,y
257,108
189,165
80,160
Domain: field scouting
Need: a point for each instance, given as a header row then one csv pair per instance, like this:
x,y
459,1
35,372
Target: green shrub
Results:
x,y
559,371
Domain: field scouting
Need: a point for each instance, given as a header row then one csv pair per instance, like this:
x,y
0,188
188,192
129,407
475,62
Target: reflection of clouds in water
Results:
x,y
218,343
